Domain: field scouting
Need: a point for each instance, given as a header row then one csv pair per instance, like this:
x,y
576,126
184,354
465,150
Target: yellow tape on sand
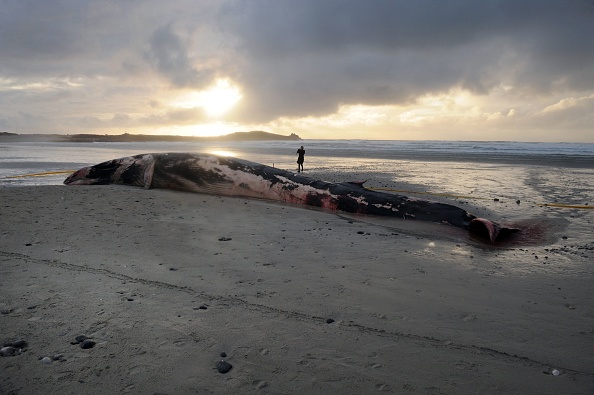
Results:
x,y
565,206
44,174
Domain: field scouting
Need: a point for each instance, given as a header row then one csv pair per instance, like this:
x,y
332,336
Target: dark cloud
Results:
x,y
40,38
169,55
310,56
40,31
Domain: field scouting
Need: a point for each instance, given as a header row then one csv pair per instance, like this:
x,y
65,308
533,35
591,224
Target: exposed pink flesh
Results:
x,y
491,227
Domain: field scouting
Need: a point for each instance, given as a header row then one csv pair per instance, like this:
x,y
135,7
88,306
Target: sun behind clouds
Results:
x,y
217,100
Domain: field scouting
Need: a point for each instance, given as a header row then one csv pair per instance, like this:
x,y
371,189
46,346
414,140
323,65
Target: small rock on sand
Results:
x,y
8,351
223,366
87,343
84,341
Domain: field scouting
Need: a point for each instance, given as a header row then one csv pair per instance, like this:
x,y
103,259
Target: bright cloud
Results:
x,y
570,102
216,100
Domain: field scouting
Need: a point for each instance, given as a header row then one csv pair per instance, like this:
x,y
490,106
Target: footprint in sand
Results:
x,y
469,318
264,351
383,387
259,384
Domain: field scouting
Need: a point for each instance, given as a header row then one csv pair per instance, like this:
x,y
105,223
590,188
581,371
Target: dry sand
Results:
x,y
299,300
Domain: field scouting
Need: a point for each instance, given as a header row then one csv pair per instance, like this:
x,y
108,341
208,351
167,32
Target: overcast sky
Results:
x,y
416,69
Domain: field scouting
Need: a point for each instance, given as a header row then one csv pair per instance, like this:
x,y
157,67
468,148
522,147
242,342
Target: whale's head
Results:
x,y
131,170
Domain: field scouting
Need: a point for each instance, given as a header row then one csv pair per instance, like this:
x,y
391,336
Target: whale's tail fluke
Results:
x,y
486,229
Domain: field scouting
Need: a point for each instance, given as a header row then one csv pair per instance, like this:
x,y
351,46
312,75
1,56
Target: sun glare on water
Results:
x,y
220,152
215,101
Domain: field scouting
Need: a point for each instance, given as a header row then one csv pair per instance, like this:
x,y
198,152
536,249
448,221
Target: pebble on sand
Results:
x,y
87,343
84,341
8,351
20,343
223,366
12,348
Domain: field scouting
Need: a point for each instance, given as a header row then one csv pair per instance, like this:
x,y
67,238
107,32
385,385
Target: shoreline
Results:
x,y
299,300
281,150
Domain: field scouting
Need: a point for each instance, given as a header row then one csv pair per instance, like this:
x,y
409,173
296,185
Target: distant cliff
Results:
x,y
120,138
256,135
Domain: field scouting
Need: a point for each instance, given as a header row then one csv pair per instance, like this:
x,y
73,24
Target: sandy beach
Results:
x,y
167,284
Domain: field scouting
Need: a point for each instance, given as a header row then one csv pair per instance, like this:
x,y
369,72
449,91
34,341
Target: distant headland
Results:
x,y
256,135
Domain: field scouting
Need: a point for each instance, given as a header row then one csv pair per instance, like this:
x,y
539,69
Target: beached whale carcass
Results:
x,y
205,173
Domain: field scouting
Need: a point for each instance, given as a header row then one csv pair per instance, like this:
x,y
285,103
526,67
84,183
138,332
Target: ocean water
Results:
x,y
36,157
506,181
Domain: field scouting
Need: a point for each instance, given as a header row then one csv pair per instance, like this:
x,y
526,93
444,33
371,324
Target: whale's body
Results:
x,y
204,173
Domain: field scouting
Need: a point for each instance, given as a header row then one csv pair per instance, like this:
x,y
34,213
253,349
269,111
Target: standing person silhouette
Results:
x,y
300,159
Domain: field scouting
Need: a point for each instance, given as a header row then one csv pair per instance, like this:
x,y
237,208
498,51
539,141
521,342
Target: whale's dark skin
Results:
x,y
204,173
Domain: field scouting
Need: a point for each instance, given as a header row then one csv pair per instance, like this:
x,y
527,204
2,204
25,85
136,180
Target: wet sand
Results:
x,y
298,300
